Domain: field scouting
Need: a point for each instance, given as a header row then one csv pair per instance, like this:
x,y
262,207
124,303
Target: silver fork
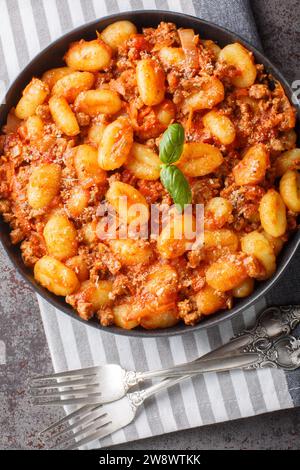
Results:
x,y
103,384
102,420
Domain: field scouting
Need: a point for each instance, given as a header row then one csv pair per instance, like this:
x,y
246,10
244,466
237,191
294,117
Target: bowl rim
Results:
x,y
181,328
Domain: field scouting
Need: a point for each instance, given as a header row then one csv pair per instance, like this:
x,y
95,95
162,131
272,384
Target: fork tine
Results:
x,y
77,414
84,420
104,431
67,401
68,383
71,373
97,424
89,392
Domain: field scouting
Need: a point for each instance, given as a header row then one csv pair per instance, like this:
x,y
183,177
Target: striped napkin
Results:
x,y
27,26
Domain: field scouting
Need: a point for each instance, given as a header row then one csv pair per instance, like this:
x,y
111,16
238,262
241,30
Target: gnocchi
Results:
x,y
209,300
165,112
117,33
121,313
131,252
238,56
88,56
290,190
210,94
252,168
71,85
220,127
60,237
78,265
50,77
143,162
55,276
94,102
171,56
273,213
150,81
222,238
33,95
161,284
43,186
86,165
226,274
218,211
289,160
128,202
95,133
244,289
78,201
177,236
98,295
35,128
199,159
63,116
116,144
257,245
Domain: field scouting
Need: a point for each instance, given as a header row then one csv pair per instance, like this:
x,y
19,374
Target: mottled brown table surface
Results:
x,y
27,352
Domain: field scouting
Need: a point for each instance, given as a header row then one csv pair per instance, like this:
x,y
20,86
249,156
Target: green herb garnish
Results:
x,y
176,184
170,150
171,144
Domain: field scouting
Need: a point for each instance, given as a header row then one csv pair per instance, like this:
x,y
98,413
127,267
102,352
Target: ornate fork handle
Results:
x,y
284,353
272,323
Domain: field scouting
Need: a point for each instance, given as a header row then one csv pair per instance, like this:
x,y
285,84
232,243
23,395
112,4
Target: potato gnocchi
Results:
x,y
84,136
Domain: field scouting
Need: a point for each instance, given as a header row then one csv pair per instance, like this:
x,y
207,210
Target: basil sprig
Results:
x,y
171,144
176,184
170,150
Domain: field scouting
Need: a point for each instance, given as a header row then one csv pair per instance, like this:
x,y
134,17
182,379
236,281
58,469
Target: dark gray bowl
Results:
x,y
52,57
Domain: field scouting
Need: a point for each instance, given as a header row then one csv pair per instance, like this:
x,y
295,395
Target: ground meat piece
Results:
x,y
164,35
16,236
106,258
195,257
226,73
204,188
33,249
151,190
188,312
125,85
253,267
121,285
105,316
127,177
83,119
43,111
79,302
85,309
4,206
259,91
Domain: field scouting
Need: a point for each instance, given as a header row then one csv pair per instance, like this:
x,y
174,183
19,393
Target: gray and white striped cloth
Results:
x,y
27,26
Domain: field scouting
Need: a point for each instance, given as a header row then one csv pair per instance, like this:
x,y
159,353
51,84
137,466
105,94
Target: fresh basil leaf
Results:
x,y
171,144
176,184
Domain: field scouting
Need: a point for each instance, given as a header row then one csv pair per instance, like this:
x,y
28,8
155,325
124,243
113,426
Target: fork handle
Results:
x,y
271,323
283,353
239,361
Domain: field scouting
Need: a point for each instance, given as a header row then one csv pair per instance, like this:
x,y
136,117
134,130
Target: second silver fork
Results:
x,y
100,421
103,384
